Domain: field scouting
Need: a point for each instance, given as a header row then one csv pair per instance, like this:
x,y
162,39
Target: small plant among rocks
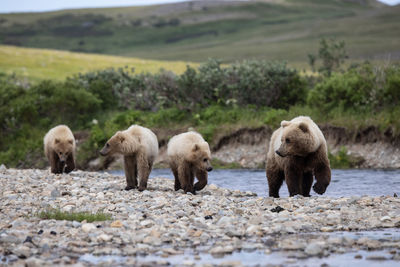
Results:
x,y
57,214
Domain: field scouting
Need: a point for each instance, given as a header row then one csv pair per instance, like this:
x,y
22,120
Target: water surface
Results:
x,y
354,182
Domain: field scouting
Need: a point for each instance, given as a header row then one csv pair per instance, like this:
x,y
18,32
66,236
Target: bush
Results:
x,y
261,83
361,88
257,83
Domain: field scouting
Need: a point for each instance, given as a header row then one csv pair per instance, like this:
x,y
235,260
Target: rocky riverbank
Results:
x,y
165,224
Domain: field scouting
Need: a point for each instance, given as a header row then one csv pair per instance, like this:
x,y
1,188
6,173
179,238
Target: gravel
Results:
x,y
164,223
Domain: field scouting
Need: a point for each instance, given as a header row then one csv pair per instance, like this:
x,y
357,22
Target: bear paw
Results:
x,y
141,188
129,187
319,188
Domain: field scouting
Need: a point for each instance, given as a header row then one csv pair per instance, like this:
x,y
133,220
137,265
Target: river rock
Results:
x,y
88,227
314,249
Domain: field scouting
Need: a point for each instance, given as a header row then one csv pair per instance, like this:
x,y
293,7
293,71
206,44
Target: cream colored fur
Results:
x,y
59,139
189,156
139,146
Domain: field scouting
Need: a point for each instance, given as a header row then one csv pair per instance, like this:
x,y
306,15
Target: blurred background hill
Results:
x,y
228,30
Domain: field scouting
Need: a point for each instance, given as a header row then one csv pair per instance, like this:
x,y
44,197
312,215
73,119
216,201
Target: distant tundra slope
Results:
x,y
229,30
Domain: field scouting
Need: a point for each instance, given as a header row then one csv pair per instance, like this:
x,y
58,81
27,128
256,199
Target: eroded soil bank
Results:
x,y
247,148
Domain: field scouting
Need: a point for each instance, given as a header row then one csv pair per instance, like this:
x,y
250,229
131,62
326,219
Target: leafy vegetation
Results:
x,y
211,99
57,214
271,30
331,53
342,160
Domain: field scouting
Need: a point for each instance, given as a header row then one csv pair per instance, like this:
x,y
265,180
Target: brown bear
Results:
x,y
139,146
189,156
59,148
297,152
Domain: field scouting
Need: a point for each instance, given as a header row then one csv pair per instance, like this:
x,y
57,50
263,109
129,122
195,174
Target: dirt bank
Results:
x,y
371,147
247,147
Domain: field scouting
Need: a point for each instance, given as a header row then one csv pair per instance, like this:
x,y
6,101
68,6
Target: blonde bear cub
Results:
x,y
59,148
139,146
189,156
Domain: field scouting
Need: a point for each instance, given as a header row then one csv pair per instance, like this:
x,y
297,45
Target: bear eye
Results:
x,y
287,140
107,145
205,160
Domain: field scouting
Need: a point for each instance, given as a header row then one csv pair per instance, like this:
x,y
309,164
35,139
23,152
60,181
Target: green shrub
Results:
x,y
342,160
360,88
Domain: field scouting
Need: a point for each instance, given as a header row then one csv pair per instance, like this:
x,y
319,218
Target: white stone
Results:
x,y
104,237
314,249
88,227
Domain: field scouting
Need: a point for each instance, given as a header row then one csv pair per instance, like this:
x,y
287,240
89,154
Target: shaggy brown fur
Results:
x,y
297,152
139,146
59,148
189,157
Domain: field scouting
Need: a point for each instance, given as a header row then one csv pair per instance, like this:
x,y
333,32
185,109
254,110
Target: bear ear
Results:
x,y
120,137
195,148
303,126
285,123
70,141
57,141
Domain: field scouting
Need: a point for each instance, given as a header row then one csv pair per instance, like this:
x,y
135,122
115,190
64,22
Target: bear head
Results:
x,y
201,156
120,143
297,139
63,148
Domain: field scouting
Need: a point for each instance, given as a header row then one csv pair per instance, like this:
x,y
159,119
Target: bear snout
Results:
x,y
279,153
103,152
209,169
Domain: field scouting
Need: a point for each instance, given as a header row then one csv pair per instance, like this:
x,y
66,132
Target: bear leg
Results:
x,y
275,179
174,169
307,183
144,169
202,176
293,181
186,177
53,158
323,177
70,164
130,169
60,166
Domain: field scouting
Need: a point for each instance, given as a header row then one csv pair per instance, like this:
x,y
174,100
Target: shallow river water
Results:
x,y
352,182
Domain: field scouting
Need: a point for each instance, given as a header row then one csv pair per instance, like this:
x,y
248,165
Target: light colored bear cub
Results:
x,y
139,146
59,148
189,156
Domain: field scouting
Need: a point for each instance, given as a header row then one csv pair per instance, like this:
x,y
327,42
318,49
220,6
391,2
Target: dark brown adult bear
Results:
x,y
59,147
189,156
297,152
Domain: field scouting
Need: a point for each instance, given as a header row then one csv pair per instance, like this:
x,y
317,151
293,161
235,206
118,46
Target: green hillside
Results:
x,y
194,31
38,64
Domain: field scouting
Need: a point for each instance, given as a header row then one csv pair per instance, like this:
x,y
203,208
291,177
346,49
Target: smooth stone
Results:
x,y
314,249
88,227
104,237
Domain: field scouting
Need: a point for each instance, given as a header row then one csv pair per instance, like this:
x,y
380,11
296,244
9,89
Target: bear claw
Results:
x,y
319,189
128,187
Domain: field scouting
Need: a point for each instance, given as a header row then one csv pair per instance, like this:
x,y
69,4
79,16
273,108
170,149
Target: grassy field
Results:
x,y
271,29
37,64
